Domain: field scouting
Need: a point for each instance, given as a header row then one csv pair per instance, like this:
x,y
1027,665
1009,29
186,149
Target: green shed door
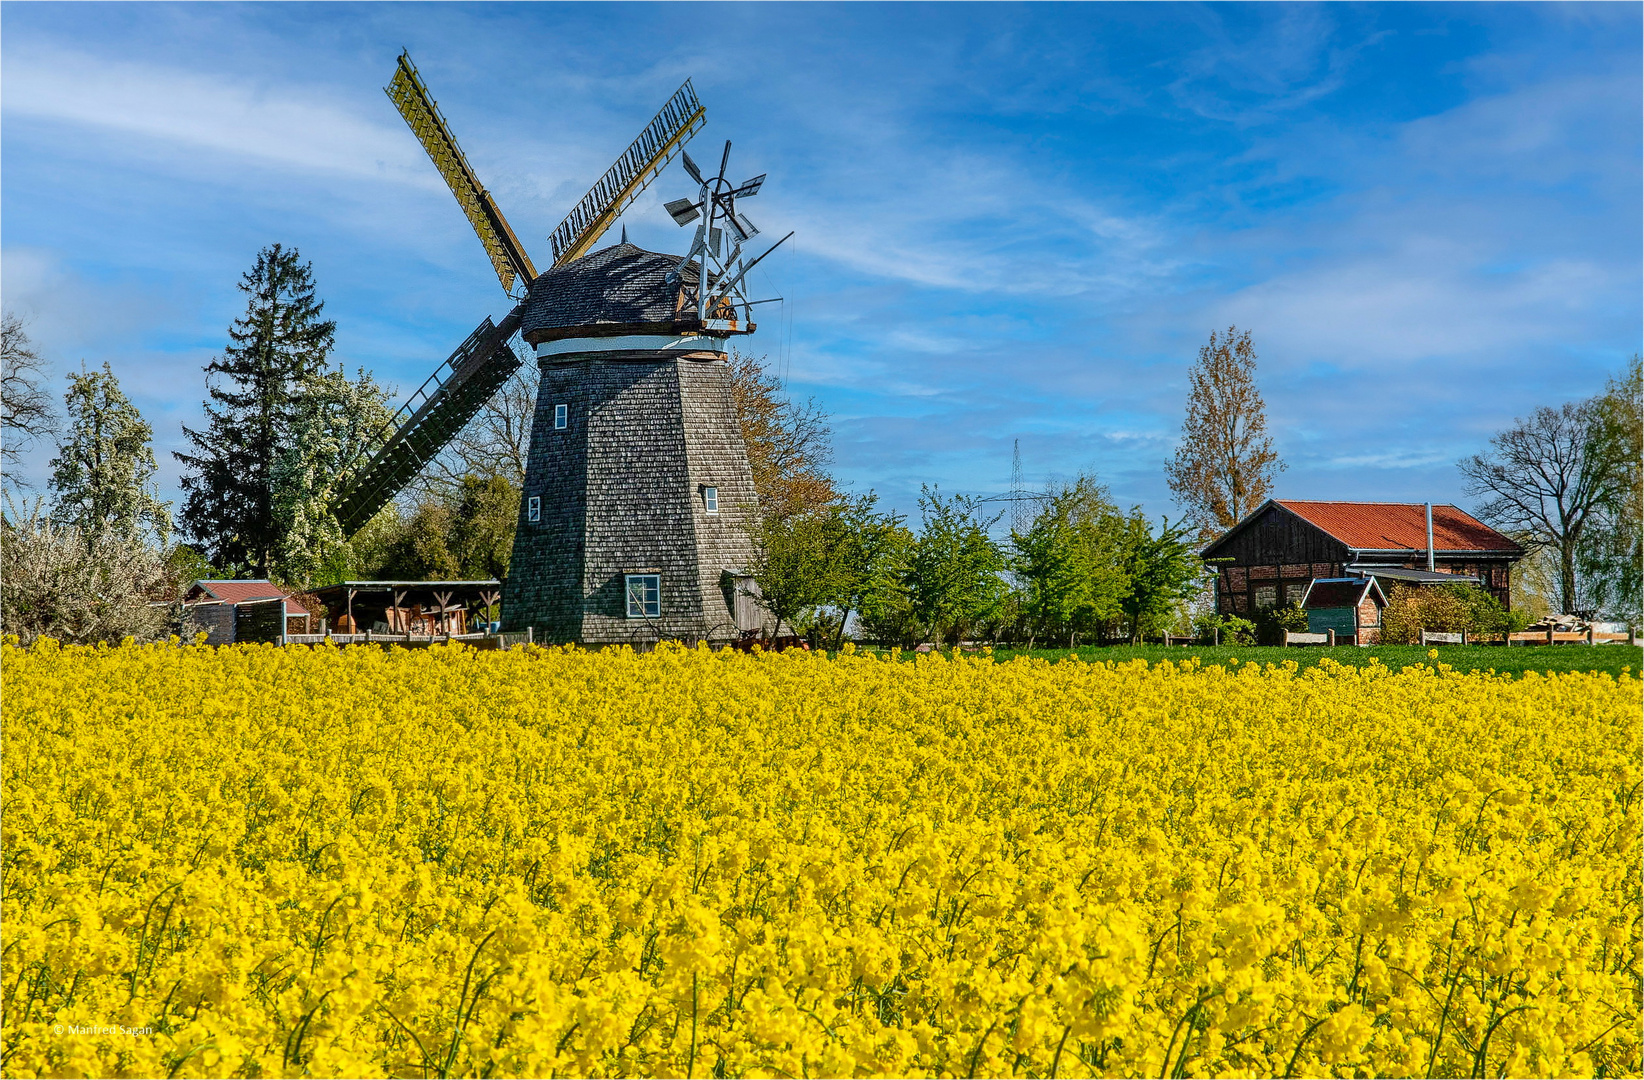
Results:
x,y
1340,619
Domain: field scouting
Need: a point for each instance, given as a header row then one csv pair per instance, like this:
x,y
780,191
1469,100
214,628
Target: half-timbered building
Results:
x,y
1271,557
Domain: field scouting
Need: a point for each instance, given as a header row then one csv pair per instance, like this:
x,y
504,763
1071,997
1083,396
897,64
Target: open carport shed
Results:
x,y
409,607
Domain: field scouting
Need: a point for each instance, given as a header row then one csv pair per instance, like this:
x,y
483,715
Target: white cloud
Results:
x,y
302,130
1392,459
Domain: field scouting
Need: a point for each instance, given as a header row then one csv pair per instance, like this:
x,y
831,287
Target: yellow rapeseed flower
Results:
x,y
262,862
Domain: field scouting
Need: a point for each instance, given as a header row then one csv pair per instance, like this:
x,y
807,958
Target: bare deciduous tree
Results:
x,y
1546,478
25,407
1224,465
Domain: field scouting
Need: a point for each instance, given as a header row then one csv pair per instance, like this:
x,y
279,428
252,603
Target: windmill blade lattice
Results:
x,y
450,397
665,136
422,114
717,294
431,418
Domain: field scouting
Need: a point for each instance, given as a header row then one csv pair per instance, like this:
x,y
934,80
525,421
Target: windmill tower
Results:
x,y
637,494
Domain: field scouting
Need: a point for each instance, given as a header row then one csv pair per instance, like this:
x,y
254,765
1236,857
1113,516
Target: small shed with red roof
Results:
x,y
1272,557
236,610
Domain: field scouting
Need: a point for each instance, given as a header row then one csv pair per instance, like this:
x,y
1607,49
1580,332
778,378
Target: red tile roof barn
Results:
x,y
240,592
1391,526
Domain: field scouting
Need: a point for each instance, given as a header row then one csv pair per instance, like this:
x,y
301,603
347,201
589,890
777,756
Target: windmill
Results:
x,y
634,518
450,397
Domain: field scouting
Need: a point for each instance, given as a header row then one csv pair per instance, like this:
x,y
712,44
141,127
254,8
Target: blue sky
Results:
x,y
1012,222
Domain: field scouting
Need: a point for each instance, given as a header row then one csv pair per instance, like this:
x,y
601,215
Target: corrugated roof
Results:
x,y
240,592
1420,577
1389,526
621,285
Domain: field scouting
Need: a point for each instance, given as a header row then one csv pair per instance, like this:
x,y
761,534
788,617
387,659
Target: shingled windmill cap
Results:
x,y
622,289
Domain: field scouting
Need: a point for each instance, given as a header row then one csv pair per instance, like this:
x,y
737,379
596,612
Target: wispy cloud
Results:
x,y
274,124
1012,221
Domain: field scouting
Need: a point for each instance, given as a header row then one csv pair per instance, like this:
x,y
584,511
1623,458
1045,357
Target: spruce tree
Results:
x,y
102,479
256,388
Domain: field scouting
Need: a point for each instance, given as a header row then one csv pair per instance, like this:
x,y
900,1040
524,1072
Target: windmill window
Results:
x,y
644,595
561,417
1267,596
533,508
710,499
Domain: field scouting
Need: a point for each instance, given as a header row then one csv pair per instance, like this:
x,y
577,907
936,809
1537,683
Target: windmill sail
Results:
x,y
431,417
414,102
450,397
662,138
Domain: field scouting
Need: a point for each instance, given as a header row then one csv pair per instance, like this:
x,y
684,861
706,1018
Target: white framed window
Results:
x,y
644,595
562,417
533,508
710,499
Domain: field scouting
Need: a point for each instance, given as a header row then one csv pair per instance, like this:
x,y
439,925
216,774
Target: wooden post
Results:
x,y
528,636
1464,635
1550,634
1589,633
1330,637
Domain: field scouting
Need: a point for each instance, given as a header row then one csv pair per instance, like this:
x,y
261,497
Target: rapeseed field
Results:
x,y
253,861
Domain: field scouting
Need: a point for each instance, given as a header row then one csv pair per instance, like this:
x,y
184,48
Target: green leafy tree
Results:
x,y
884,605
276,349
482,526
336,422
870,553
374,544
1609,561
795,557
464,532
422,548
1068,562
953,572
817,566
1161,569
102,480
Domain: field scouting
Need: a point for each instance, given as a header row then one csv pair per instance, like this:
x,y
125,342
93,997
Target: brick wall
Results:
x,y
1241,589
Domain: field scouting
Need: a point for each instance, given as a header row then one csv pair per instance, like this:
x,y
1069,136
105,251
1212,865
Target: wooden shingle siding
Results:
x,y
620,490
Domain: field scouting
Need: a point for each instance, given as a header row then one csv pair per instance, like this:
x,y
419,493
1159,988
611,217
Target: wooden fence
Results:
x,y
415,641
1549,636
